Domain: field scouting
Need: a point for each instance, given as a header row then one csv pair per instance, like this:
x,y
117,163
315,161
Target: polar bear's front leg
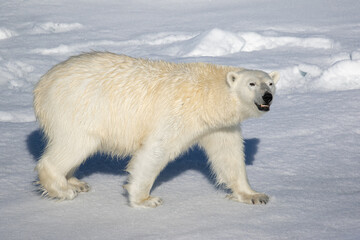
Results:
x,y
225,150
143,168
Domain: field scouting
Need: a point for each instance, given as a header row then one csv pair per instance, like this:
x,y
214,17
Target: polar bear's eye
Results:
x,y
252,84
270,84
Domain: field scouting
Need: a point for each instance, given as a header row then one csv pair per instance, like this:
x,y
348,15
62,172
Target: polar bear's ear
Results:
x,y
231,78
275,76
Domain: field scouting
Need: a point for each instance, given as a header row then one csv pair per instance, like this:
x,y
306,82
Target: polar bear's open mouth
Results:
x,y
263,107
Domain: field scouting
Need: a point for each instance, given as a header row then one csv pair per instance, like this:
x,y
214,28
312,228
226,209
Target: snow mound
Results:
x,y
51,27
18,116
215,42
255,42
340,76
6,33
307,70
343,75
297,78
218,42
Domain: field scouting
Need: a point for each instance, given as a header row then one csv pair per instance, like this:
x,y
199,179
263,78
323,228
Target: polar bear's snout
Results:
x,y
267,97
265,106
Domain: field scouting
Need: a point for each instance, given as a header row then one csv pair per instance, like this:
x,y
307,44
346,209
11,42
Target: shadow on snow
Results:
x,y
194,159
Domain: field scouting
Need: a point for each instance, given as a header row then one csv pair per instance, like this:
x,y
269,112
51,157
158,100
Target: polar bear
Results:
x,y
150,110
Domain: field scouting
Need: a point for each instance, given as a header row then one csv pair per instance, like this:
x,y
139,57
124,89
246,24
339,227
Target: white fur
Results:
x,y
152,110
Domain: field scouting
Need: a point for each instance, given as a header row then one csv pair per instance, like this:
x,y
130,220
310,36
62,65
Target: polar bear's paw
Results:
x,y
58,193
150,202
256,198
66,191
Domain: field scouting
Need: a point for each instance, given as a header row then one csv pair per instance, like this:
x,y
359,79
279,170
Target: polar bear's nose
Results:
x,y
267,97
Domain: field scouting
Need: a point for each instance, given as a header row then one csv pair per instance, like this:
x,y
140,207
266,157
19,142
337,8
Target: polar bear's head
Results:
x,y
254,88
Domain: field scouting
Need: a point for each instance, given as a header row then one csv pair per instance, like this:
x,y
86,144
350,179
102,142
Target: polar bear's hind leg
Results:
x,y
57,164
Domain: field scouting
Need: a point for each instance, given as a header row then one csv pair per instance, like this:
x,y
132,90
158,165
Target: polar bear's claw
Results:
x,y
256,199
78,186
259,199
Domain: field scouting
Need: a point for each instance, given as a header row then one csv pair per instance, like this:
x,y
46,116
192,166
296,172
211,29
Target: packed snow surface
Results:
x,y
304,153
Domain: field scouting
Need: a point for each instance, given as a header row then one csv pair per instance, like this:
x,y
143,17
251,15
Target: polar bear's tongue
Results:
x,y
263,107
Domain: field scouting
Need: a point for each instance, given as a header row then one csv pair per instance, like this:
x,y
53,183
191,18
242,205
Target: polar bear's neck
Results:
x,y
218,106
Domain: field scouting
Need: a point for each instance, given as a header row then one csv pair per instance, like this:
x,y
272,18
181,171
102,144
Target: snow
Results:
x,y
6,33
304,153
213,43
257,42
51,27
346,70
